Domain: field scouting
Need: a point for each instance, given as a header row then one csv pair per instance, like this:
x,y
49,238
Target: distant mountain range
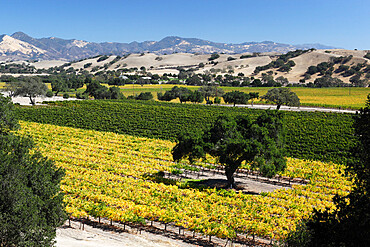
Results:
x,y
20,46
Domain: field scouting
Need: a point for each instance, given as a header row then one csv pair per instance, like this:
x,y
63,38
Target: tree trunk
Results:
x,y
32,102
229,171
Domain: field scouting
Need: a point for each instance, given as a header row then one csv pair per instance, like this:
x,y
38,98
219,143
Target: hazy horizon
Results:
x,y
340,23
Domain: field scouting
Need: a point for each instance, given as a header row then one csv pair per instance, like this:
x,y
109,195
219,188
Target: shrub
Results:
x,y
65,96
49,94
87,65
213,57
102,58
80,95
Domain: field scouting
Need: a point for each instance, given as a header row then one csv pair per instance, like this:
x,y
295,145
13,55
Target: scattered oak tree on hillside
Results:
x,y
282,96
31,205
233,141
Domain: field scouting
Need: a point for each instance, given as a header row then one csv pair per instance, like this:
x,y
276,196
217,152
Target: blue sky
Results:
x,y
338,23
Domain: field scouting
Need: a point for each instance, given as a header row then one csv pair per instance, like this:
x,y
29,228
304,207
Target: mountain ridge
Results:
x,y
74,49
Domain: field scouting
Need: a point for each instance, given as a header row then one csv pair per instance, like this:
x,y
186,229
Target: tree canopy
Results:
x,y
8,120
184,94
236,97
235,140
99,91
281,96
28,87
31,206
210,91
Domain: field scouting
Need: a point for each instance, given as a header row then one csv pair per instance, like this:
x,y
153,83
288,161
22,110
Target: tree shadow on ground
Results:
x,y
198,184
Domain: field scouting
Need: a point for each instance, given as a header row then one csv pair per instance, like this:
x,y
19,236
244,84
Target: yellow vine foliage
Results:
x,y
106,176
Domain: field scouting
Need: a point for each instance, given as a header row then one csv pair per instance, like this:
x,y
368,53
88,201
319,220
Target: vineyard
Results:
x,y
109,175
309,135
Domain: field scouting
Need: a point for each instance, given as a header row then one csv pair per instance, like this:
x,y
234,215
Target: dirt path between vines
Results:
x,y
85,235
74,236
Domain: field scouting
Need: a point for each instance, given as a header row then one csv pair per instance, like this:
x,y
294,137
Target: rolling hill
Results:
x,y
20,46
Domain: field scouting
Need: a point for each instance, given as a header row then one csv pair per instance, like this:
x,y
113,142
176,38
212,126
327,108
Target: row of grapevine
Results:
x,y
106,176
309,135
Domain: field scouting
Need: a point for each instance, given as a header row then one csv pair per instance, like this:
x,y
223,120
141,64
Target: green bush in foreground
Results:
x,y
31,206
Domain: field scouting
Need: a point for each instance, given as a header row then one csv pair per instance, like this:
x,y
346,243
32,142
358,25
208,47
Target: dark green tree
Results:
x,y
194,80
196,97
233,141
184,94
144,96
217,100
76,82
115,93
59,85
8,119
31,205
96,90
281,96
328,81
30,87
167,96
211,91
213,56
256,83
236,97
282,80
253,95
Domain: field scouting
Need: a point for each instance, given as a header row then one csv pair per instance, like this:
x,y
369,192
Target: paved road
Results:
x,y
292,108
